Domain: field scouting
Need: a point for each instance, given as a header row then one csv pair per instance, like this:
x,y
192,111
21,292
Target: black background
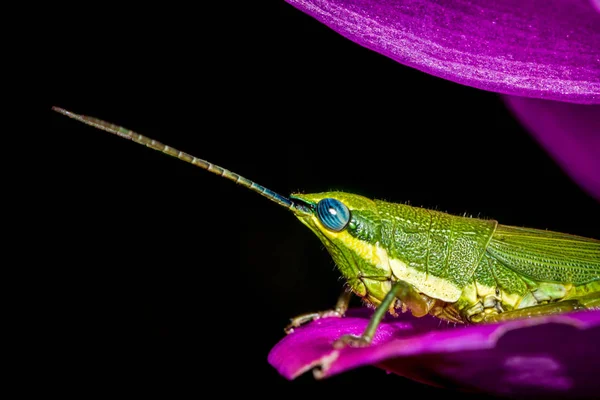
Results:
x,y
168,275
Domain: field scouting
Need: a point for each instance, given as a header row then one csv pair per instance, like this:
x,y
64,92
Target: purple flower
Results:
x,y
533,49
540,357
543,57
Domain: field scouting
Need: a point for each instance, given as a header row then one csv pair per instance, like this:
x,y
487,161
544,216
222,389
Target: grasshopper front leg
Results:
x,y
340,309
401,290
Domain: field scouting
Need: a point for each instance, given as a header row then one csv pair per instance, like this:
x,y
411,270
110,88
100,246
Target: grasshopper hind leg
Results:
x,y
589,302
339,311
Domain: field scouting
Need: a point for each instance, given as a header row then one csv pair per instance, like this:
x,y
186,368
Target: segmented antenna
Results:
x,y
153,144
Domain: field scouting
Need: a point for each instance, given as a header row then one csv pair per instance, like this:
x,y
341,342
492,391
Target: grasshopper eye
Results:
x,y
333,214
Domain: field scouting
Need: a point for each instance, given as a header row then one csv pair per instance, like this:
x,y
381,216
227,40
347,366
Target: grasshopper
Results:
x,y
399,257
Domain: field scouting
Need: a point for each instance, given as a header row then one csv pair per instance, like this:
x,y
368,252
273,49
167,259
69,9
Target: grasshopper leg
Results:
x,y
340,309
400,290
589,302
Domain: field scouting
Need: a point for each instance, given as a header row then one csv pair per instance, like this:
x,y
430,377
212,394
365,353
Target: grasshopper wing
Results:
x,y
545,255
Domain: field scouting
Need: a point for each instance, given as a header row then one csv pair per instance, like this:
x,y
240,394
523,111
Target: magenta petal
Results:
x,y
536,48
569,132
553,355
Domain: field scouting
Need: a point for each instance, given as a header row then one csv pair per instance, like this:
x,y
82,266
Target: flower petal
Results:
x,y
551,355
536,48
569,132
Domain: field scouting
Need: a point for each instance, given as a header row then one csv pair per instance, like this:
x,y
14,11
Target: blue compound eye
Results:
x,y
333,214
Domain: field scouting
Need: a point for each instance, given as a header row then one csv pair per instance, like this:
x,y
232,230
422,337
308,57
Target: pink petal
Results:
x,y
546,49
552,355
569,132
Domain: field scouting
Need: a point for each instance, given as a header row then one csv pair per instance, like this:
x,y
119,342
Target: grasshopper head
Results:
x,y
349,226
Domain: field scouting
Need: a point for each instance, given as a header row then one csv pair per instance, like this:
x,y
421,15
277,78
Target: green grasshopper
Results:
x,y
395,256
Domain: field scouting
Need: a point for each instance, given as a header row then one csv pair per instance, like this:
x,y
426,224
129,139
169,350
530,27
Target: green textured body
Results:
x,y
466,269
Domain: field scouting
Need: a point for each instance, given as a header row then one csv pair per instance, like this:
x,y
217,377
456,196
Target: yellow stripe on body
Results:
x,y
430,285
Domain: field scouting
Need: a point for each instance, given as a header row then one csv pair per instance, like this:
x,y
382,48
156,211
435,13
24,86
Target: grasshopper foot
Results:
x,y
306,318
351,341
339,311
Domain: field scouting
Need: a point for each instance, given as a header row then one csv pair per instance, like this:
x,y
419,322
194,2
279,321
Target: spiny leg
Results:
x,y
400,290
340,309
593,304
589,302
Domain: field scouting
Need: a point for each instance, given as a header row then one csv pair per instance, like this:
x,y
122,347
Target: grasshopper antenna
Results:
x,y
155,145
